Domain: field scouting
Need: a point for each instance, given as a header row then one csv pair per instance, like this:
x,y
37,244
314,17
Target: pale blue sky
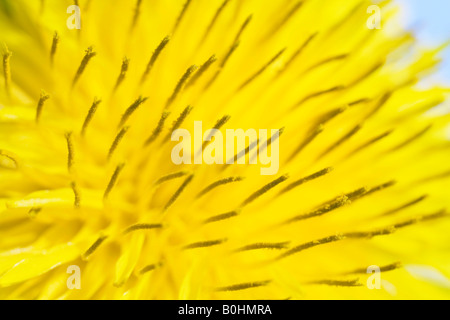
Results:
x,y
431,21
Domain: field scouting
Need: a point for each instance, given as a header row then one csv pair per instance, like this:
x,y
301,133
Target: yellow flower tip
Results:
x,y
8,160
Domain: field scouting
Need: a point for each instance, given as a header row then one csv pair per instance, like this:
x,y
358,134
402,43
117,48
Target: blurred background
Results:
x,y
430,20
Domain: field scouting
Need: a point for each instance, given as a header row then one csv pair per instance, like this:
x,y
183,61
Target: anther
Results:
x,y
178,192
264,190
204,244
154,57
171,177
143,226
43,97
136,14
113,180
90,115
177,123
260,71
158,129
123,72
306,179
214,19
54,47
180,84
131,109
89,54
180,17
203,68
116,141
77,195
70,151
218,183
244,286
94,247
7,69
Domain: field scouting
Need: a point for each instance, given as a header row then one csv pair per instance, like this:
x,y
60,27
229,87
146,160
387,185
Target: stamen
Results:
x,y
94,247
389,267
54,47
331,115
270,246
263,190
219,124
307,141
180,17
76,193
113,180
201,70
260,71
371,142
381,187
338,203
411,139
229,54
338,283
214,19
391,229
244,286
243,27
158,129
143,226
116,141
328,60
204,244
233,48
356,102
222,217
180,84
367,74
217,184
123,72
310,244
136,14
131,109
358,193
87,57
222,64
380,104
307,179
318,94
44,97
354,195
177,123
13,162
244,152
90,115
269,141
154,57
171,177
299,51
149,267
70,150
178,192
286,18
7,69
342,140
439,214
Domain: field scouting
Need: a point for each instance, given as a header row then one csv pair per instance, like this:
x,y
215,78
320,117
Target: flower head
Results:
x,y
86,177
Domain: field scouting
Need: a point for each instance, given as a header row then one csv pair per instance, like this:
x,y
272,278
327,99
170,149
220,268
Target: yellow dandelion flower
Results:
x,y
87,183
